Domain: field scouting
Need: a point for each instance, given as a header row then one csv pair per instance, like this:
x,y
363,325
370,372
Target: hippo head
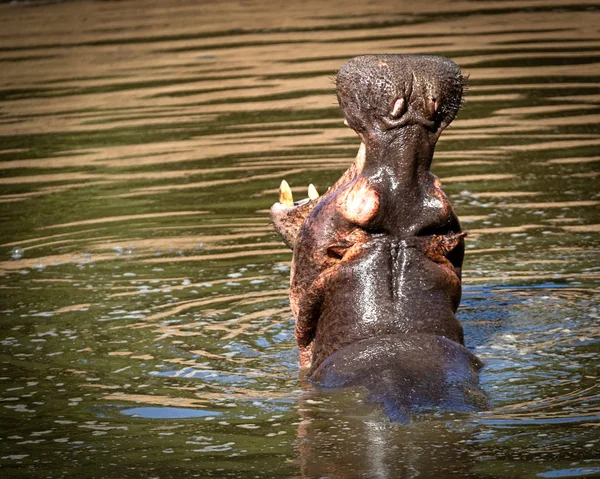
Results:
x,y
379,254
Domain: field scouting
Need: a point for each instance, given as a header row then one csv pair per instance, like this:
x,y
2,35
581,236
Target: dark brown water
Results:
x,y
145,328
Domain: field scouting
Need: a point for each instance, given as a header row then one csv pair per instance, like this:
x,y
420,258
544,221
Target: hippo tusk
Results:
x,y
285,194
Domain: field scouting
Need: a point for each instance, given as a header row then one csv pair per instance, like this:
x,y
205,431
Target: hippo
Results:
x,y
376,269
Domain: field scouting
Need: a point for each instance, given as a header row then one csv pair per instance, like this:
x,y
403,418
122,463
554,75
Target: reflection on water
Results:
x,y
146,329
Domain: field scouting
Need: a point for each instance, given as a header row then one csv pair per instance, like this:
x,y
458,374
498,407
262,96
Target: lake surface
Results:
x,y
145,327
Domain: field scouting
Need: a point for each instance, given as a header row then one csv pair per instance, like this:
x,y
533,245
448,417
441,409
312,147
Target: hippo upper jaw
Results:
x,y
398,105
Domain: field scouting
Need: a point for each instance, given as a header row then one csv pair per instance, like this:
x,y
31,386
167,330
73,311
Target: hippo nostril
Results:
x,y
398,108
431,106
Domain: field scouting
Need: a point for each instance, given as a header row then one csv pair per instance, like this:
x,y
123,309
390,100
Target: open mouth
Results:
x,y
286,198
288,215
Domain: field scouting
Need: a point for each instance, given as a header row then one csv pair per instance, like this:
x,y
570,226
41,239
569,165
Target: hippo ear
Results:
x,y
359,203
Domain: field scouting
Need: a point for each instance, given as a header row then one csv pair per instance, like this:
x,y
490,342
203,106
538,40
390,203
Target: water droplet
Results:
x,y
16,253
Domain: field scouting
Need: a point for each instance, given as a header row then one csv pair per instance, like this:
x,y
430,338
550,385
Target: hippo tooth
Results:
x,y
346,122
285,194
313,194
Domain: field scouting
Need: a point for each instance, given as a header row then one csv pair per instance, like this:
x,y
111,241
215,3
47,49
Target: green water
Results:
x,y
145,328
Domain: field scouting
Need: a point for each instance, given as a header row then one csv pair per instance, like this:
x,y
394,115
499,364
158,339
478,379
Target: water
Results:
x,y
145,328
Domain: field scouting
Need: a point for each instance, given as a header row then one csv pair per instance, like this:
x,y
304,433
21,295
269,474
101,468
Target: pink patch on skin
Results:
x,y
441,197
360,203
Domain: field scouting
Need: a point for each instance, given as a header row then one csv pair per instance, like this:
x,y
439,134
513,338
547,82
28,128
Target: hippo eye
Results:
x,y
336,251
347,246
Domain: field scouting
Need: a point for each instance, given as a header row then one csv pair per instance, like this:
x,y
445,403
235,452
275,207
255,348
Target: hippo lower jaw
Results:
x,y
376,271
376,286
407,373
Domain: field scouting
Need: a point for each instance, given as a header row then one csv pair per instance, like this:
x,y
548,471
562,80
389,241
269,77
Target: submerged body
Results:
x,y
377,261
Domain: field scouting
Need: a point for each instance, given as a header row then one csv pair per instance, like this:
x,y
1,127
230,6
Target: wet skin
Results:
x,y
376,271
